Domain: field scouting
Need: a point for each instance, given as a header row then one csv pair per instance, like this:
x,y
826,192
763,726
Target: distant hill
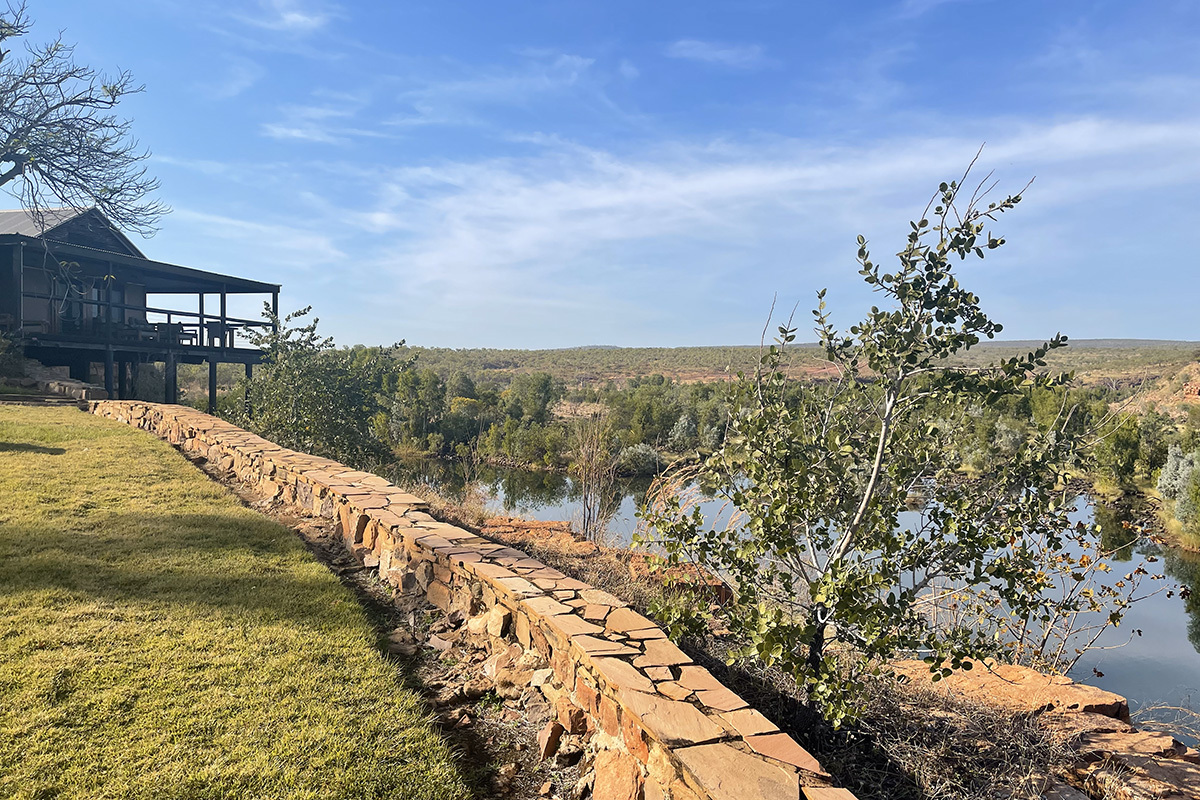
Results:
x,y
1093,360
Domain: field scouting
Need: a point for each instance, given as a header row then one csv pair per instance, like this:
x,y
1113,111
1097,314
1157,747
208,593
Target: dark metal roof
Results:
x,y
22,222
68,224
158,277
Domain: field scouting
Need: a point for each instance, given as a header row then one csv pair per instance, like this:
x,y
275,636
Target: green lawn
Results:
x,y
159,640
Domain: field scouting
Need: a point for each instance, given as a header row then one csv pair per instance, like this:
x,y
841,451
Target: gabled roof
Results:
x,y
86,227
88,235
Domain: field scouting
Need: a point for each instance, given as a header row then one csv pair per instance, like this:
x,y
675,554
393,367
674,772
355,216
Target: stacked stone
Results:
x,y
45,380
665,726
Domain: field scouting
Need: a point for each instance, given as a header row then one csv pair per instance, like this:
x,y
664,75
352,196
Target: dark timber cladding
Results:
x,y
76,292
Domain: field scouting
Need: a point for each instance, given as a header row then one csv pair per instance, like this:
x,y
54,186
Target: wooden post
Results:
x,y
202,331
224,315
249,376
134,373
108,370
212,386
171,393
122,380
17,309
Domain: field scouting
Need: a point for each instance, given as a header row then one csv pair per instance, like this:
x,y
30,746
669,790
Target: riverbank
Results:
x,y
1064,735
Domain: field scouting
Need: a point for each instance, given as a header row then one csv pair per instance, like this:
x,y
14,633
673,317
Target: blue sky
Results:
x,y
551,174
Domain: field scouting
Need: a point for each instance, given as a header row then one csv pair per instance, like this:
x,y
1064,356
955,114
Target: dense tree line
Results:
x,y
369,405
529,420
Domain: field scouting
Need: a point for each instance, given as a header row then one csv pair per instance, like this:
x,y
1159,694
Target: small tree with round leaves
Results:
x,y
833,572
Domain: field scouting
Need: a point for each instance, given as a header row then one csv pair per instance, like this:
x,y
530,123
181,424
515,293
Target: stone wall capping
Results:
x,y
673,690
662,727
721,771
519,586
569,625
781,747
595,646
748,722
625,619
826,793
671,722
545,606
722,699
619,674
661,653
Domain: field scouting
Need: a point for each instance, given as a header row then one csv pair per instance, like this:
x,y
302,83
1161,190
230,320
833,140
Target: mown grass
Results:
x,y
159,640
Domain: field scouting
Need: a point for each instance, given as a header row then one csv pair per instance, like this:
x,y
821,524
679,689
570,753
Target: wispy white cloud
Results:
x,y
581,244
685,216
237,75
292,246
454,100
910,9
290,16
328,122
738,56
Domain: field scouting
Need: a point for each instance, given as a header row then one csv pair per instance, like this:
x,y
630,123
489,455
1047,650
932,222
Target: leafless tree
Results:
x,y
60,143
594,468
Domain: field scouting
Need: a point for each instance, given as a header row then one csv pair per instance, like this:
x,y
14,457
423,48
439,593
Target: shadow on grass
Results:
x,y
252,570
211,560
24,447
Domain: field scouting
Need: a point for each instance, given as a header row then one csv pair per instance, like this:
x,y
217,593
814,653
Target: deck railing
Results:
x,y
112,324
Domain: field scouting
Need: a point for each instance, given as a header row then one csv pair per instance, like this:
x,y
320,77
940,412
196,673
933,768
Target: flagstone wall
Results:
x,y
665,727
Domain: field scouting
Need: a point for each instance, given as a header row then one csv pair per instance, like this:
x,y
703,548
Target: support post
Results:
x,y
224,316
122,380
134,373
108,370
212,386
17,309
249,376
171,393
203,332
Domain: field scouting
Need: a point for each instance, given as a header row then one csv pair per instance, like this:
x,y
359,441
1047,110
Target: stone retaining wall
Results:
x,y
46,380
666,728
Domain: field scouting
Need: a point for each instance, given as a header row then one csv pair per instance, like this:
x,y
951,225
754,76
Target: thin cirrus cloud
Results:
x,y
649,236
457,100
239,75
321,124
290,16
470,227
736,56
910,9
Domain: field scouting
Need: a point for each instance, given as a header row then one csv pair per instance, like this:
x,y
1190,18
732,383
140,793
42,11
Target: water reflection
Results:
x,y
1118,534
539,494
1161,665
1185,568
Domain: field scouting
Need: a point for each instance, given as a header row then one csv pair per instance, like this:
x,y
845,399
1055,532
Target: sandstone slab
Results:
x,y
782,747
670,721
617,776
620,675
725,773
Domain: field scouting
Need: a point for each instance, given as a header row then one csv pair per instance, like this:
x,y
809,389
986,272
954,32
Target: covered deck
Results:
x,y
73,305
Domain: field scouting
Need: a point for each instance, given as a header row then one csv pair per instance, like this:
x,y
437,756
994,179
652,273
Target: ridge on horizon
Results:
x,y
1113,343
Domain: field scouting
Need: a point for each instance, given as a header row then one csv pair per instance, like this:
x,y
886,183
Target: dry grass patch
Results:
x,y
158,639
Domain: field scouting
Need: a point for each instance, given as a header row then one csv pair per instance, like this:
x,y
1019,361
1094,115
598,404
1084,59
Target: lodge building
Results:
x,y
76,292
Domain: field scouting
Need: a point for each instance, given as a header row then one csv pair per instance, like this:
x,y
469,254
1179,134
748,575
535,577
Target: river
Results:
x,y
1158,670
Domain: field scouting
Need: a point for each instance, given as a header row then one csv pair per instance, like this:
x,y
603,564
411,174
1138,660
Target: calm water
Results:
x,y
1159,667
